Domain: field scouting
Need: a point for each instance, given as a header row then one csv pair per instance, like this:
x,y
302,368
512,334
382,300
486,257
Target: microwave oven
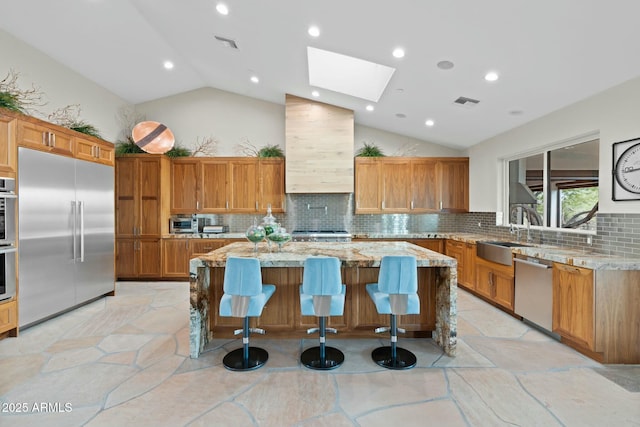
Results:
x,y
181,224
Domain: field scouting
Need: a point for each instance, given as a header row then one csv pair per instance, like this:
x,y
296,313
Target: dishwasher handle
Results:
x,y
532,264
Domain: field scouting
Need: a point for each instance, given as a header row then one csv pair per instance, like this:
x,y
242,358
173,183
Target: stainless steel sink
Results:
x,y
497,251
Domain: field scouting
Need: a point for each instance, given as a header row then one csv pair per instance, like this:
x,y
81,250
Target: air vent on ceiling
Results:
x,y
466,102
227,42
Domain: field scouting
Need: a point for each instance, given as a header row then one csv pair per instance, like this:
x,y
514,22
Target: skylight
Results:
x,y
348,75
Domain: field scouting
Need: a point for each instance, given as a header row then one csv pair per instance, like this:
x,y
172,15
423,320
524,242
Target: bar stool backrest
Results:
x,y
242,277
398,275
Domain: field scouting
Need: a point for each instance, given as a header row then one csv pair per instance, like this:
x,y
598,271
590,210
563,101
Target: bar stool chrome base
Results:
x,y
235,360
404,359
311,358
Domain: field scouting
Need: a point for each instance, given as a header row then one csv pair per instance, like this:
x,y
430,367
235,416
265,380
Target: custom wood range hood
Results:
x,y
319,147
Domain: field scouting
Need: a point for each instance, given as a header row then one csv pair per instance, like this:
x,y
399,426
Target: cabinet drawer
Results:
x,y
8,316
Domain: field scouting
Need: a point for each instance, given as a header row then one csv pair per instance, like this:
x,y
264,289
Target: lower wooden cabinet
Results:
x,y
436,245
495,282
176,254
596,312
465,254
9,318
138,258
573,304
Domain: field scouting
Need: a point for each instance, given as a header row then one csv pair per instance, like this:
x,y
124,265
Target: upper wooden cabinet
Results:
x,y
30,132
8,149
44,137
141,204
453,177
411,185
367,194
227,185
95,150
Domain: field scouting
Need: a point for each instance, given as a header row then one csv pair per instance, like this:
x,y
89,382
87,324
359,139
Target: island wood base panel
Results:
x,y
281,316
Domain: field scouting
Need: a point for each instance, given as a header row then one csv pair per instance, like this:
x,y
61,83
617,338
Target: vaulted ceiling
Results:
x,y
547,53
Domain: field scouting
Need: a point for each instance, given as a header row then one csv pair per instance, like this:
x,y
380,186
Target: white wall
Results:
x,y
614,113
61,86
233,119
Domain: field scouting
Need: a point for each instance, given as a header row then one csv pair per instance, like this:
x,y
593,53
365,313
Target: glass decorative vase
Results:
x,y
279,237
255,234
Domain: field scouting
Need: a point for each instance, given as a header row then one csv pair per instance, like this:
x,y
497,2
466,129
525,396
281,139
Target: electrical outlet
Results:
x,y
589,240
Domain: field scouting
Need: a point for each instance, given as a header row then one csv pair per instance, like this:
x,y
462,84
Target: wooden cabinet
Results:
x,y
465,255
138,258
436,245
94,150
45,137
141,202
396,187
243,188
424,194
142,212
367,176
184,186
271,191
411,185
596,312
175,257
227,185
573,304
495,282
8,148
9,318
177,253
453,177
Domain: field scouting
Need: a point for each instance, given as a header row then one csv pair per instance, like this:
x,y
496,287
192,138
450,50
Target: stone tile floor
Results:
x,y
123,361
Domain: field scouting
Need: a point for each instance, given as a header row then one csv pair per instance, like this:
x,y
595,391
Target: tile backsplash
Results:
x,y
617,234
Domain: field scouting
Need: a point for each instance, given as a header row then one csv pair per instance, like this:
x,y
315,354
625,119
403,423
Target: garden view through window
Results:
x,y
556,188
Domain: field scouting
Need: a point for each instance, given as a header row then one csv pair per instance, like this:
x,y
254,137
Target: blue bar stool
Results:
x,y
322,294
394,294
244,296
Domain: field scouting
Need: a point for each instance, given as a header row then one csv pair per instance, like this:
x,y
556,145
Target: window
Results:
x,y
555,188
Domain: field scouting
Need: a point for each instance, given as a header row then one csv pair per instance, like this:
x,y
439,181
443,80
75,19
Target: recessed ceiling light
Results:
x,y
222,9
398,52
346,74
429,122
313,31
255,79
445,65
491,76
315,93
168,65
370,107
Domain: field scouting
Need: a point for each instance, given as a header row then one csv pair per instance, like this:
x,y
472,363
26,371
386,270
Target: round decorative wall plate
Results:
x,y
626,170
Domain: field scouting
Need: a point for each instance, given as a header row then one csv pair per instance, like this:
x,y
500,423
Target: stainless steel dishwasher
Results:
x,y
534,291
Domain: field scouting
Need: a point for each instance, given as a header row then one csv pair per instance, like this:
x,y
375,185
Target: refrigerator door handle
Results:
x,y
81,208
74,212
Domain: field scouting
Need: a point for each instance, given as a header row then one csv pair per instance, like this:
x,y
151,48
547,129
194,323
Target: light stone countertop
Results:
x,y
351,254
570,256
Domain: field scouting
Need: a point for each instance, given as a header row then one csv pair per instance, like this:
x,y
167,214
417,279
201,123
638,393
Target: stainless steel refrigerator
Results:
x,y
66,233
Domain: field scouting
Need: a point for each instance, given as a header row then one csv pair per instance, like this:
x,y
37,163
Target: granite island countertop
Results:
x,y
571,256
351,254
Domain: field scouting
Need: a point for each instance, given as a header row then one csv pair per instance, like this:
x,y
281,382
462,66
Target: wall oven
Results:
x,y
7,238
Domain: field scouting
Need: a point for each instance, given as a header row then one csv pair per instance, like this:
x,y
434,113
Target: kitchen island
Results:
x,y
437,289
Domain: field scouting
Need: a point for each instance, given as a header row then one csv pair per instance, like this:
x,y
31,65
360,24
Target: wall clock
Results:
x,y
626,170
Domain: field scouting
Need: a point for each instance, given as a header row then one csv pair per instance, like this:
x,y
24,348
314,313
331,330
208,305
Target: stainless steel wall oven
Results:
x,y
7,238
